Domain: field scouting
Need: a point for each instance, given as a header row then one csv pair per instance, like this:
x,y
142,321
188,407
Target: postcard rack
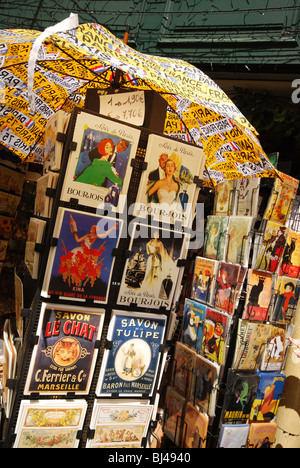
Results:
x,y
120,253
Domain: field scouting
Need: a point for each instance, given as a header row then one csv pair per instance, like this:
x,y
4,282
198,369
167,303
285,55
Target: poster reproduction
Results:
x,y
167,190
80,266
130,367
99,168
64,358
151,272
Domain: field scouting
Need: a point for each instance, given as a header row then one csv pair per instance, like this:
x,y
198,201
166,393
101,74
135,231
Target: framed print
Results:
x,y
130,367
99,169
64,358
49,423
167,190
119,423
151,272
80,266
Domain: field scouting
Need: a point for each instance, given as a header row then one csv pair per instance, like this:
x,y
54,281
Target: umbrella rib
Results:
x,y
78,61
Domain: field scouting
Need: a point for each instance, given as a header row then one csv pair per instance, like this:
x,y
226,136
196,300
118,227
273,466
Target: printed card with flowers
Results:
x,y
49,424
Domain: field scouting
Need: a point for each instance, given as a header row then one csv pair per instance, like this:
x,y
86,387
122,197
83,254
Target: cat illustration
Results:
x,y
66,352
254,296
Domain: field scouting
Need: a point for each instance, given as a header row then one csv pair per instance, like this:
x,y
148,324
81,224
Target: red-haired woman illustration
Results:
x,y
101,167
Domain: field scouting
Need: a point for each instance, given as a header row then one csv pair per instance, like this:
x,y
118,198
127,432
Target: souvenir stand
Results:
x,y
228,371
96,337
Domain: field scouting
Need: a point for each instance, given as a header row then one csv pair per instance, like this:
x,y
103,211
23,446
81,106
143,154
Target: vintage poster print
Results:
x,y
272,247
204,279
53,149
233,436
80,266
250,344
63,360
237,250
151,272
184,359
174,411
193,324
290,262
286,296
268,396
167,190
204,384
281,199
119,423
273,355
195,428
130,367
215,335
262,435
49,424
258,298
226,286
246,196
99,170
241,389
224,198
215,237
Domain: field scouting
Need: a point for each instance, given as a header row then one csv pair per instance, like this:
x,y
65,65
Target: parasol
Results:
x,y
41,73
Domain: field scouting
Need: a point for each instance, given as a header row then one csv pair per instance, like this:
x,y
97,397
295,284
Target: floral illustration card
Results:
x,y
119,423
49,424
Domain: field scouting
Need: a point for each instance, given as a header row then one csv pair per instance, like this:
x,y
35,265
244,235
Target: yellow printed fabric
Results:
x,y
69,63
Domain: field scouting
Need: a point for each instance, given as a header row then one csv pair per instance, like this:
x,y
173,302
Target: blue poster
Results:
x,y
131,365
193,324
80,267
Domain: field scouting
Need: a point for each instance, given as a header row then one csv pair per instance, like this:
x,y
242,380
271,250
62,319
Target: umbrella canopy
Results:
x,y
41,73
